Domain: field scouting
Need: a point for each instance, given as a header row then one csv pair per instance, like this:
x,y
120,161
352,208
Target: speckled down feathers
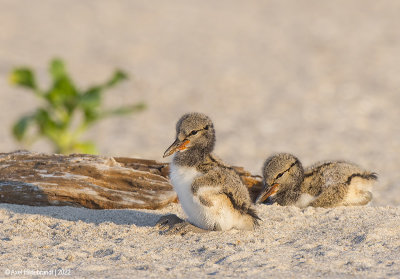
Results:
x,y
217,199
324,184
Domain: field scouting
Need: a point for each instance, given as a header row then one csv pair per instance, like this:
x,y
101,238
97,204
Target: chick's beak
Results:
x,y
176,146
265,194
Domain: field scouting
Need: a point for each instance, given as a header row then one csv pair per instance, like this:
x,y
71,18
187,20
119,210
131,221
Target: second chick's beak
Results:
x,y
265,194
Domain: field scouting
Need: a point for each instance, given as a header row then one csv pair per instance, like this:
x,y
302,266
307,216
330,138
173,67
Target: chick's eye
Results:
x,y
192,133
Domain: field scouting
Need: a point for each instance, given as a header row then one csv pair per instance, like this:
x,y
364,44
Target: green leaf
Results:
x,y
20,127
117,77
90,102
46,124
57,69
23,77
91,98
91,115
63,92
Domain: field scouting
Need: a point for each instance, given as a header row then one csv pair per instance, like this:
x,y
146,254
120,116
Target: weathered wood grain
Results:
x,y
90,181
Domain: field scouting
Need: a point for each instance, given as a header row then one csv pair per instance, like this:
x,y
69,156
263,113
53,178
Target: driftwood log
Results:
x,y
90,181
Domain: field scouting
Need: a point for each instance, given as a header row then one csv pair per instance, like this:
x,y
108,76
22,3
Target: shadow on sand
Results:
x,y
140,218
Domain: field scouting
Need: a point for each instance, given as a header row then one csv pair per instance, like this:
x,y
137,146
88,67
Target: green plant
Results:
x,y
63,103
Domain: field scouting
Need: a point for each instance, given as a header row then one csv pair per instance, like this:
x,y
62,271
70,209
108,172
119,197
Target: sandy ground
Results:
x,y
340,242
319,79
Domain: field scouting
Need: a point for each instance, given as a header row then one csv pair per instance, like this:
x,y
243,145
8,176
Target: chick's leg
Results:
x,y
171,224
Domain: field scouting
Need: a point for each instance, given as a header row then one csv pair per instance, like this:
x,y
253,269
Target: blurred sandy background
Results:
x,y
320,79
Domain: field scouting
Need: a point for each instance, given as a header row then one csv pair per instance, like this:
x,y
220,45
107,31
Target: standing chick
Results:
x,y
211,193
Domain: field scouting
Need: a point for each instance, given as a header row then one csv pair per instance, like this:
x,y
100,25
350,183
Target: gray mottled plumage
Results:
x,y
286,172
211,193
325,184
